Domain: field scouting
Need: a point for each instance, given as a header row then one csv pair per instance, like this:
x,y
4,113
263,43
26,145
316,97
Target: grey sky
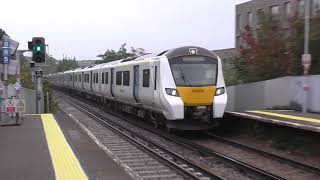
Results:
x,y
86,28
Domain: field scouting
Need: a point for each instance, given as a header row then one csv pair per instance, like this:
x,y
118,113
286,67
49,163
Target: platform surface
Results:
x,y
290,118
53,147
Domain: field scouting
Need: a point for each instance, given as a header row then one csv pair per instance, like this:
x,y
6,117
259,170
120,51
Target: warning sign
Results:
x,y
21,105
10,106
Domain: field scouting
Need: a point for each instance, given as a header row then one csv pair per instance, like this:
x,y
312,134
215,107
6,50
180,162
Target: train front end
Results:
x,y
197,97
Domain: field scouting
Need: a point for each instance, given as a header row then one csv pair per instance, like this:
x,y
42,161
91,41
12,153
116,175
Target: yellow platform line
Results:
x,y
65,163
298,118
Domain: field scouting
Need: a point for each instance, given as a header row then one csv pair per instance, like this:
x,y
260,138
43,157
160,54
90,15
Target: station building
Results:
x,y
251,13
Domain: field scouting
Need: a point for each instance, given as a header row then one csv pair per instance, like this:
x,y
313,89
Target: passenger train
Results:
x,y
182,88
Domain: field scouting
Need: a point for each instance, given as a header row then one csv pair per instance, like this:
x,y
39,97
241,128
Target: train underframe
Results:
x,y
196,118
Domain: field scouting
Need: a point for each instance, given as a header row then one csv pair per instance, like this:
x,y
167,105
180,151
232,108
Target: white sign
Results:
x,y
10,106
21,105
17,86
306,59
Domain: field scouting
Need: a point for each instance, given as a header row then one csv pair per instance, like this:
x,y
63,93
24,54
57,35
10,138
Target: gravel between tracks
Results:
x,y
268,164
216,165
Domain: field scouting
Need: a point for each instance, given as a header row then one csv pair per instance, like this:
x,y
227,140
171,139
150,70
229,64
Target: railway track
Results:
x,y
279,158
186,168
205,152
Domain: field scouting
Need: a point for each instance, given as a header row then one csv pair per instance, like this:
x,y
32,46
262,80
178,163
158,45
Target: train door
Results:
x,y
82,80
111,82
136,83
91,81
73,80
156,87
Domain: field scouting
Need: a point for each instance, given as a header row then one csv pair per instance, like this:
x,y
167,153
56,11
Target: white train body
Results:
x,y
181,88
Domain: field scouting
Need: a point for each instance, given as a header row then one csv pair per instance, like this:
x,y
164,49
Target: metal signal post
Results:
x,y
38,47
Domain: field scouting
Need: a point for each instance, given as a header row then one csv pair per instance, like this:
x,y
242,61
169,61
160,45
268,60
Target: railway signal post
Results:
x,y
38,47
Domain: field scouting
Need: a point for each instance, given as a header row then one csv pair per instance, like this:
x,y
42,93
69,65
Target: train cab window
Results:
x,y
119,78
102,78
146,78
126,78
107,78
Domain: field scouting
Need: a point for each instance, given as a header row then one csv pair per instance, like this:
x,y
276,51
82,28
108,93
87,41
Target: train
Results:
x,y
178,89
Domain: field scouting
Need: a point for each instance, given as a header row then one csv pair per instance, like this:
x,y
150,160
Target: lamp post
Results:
x,y
306,57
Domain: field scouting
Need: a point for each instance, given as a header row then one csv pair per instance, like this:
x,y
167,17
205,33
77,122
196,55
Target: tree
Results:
x,y
269,52
112,55
2,32
296,43
67,64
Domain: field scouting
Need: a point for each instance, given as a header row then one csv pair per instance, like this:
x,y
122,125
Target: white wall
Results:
x,y
286,92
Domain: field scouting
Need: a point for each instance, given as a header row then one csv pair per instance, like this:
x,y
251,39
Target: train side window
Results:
x,y
102,78
79,77
97,78
119,78
126,78
146,78
107,78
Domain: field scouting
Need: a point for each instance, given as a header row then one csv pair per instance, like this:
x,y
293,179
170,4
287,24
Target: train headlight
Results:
x,y
172,92
220,91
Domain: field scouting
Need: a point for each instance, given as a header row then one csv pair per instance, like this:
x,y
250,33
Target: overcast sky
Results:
x,y
86,28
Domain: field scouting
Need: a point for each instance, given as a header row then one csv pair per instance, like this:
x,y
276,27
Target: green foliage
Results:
x,y
296,44
112,55
52,65
25,74
2,32
67,64
270,52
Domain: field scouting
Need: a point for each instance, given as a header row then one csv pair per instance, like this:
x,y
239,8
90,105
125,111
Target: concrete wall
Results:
x,y
286,92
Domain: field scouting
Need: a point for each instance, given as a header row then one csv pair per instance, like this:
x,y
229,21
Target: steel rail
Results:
x,y
133,138
203,150
292,162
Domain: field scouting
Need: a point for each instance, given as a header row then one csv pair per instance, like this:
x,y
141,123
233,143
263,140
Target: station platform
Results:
x,y
53,147
290,118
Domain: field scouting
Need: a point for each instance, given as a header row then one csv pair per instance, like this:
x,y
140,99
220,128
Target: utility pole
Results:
x,y
306,57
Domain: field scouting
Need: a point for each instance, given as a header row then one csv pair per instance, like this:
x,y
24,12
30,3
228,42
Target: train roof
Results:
x,y
172,53
188,50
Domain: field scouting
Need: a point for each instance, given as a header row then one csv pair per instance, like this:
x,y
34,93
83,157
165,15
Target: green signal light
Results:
x,y
38,48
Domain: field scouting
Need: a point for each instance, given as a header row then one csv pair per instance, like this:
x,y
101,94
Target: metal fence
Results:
x,y
281,93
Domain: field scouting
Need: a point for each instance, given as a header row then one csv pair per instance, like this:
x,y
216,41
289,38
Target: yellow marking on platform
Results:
x,y
65,163
298,118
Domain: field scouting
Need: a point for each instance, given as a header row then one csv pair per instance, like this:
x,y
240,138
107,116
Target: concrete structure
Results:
x,y
226,54
286,92
252,12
